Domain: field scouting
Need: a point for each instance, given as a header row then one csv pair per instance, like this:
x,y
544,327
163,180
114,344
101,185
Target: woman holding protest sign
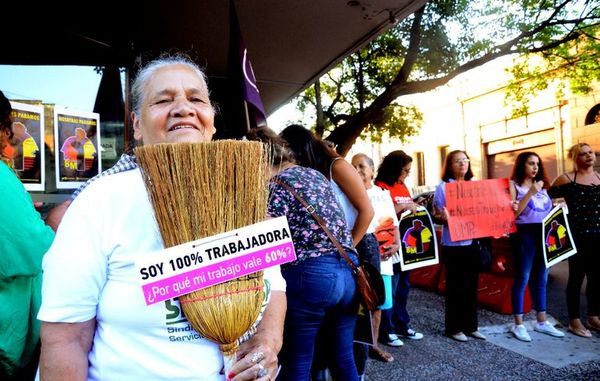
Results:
x,y
391,174
580,189
95,322
461,258
531,202
320,284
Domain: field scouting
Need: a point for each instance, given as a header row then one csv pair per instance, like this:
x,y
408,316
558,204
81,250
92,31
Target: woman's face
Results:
x,y
404,172
365,171
532,167
460,165
175,108
586,157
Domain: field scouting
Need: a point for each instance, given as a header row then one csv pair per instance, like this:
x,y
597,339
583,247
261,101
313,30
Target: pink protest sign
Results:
x,y
221,272
203,263
479,209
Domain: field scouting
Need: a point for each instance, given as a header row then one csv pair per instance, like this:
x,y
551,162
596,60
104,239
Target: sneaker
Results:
x,y
412,334
478,335
548,329
394,341
520,332
459,337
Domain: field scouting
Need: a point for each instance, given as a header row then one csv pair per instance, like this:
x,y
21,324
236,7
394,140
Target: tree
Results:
x,y
442,40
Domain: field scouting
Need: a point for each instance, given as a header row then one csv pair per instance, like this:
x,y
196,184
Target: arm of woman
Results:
x,y
56,214
65,348
393,248
554,190
350,183
440,213
400,208
25,236
267,340
522,203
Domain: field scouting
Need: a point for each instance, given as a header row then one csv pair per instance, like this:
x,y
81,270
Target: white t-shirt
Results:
x,y
89,273
383,221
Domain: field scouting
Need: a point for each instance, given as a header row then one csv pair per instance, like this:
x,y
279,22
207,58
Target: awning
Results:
x,y
291,42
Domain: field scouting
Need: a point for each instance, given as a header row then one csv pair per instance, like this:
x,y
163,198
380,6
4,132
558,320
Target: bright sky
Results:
x,y
72,86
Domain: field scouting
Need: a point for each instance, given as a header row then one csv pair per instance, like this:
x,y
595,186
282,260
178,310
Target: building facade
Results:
x,y
470,113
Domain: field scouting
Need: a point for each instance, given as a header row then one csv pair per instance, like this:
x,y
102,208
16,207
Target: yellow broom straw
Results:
x,y
202,189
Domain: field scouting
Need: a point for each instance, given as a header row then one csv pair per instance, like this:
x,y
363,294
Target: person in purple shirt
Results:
x,y
528,190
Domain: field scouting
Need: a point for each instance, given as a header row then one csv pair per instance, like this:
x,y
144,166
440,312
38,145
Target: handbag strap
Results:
x,y
311,209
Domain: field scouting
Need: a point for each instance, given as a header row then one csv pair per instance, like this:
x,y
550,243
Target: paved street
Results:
x,y
501,357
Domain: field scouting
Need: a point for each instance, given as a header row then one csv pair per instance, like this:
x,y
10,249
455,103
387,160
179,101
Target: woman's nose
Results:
x,y
182,107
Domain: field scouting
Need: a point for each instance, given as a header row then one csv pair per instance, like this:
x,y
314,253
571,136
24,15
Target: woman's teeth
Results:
x,y
180,127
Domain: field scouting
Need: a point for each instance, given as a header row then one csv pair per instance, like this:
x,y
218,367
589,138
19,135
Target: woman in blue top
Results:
x,y
461,258
531,203
320,285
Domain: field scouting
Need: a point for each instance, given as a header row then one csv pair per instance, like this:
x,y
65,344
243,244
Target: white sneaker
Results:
x,y
548,329
412,334
520,332
394,340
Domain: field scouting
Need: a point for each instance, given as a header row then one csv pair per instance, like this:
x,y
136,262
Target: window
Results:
x,y
420,159
593,116
443,153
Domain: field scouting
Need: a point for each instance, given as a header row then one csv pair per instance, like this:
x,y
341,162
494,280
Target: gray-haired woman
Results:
x,y
96,325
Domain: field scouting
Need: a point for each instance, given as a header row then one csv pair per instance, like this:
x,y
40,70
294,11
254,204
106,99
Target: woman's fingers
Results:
x,y
259,363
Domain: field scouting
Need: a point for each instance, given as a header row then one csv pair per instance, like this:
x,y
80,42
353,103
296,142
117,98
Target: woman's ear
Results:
x,y
137,131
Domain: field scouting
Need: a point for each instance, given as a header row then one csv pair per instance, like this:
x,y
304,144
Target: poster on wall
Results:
x,y
77,142
26,147
418,242
479,209
556,237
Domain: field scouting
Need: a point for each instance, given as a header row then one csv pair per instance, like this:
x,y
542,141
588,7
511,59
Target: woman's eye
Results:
x,y
163,100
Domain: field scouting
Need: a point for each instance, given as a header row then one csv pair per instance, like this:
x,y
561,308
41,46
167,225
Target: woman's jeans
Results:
x,y
396,319
529,268
320,292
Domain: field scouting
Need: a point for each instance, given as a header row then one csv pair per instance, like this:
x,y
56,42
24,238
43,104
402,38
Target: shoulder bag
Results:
x,y
369,282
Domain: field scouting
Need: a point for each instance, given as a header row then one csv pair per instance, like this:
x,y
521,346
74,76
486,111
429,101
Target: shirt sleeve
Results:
x,y
76,266
279,201
25,236
439,197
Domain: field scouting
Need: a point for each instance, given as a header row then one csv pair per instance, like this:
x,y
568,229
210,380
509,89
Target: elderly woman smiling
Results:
x,y
96,325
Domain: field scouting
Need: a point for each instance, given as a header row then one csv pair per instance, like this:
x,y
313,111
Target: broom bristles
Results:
x,y
202,189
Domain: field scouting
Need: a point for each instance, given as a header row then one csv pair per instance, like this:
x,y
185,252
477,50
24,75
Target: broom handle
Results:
x,y
311,210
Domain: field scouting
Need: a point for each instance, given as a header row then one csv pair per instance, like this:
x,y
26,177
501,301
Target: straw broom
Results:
x,y
202,189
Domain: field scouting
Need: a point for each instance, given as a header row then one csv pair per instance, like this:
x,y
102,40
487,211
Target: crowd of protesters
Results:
x,y
84,333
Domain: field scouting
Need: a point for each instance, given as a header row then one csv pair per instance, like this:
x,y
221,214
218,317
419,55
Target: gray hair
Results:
x,y
367,159
138,87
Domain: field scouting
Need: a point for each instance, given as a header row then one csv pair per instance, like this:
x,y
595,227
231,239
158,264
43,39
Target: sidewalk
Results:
x,y
501,357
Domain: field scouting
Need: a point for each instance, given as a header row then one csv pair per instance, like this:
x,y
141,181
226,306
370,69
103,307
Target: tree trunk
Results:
x,y
320,127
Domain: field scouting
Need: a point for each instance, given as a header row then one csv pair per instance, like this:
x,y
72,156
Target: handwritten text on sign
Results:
x,y
192,266
479,209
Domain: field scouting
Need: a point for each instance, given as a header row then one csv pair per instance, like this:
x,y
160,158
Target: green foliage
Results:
x,y
452,36
398,122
